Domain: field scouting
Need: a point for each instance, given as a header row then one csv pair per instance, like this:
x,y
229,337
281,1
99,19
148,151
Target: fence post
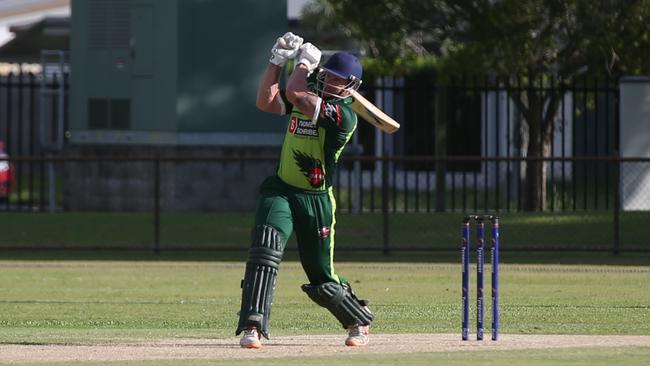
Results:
x,y
51,184
156,206
617,205
440,122
617,171
384,203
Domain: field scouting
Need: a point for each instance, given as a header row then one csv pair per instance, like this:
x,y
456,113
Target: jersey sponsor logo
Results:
x,y
331,112
293,124
302,127
311,168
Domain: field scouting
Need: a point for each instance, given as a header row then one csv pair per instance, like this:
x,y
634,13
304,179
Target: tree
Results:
x,y
390,29
539,39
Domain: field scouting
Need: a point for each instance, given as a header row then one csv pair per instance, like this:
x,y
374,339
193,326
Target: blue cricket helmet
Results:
x,y
344,65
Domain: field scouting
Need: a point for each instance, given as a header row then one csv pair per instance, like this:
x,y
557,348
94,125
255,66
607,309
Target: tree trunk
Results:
x,y
535,189
540,115
535,182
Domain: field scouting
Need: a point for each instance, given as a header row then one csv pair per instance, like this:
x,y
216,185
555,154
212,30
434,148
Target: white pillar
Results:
x,y
635,142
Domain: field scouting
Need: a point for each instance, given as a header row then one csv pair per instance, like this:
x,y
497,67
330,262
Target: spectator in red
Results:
x,y
7,178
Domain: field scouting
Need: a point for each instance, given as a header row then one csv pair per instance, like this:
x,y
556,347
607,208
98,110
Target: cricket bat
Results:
x,y
372,114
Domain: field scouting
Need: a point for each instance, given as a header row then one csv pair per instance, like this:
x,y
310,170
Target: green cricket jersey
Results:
x,y
311,149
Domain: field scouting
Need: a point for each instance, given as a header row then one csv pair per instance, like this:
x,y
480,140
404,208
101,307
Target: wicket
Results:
x,y
480,263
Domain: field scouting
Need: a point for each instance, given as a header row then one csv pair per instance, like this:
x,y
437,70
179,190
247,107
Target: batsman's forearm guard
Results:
x,y
261,274
341,302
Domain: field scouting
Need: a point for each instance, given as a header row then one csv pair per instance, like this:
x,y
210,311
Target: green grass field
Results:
x,y
84,292
100,302
578,230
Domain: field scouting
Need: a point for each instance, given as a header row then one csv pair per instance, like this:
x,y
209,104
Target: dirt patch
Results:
x,y
318,345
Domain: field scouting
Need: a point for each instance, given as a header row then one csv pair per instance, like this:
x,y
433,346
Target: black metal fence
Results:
x,y
461,149
33,118
33,112
497,185
485,116
386,208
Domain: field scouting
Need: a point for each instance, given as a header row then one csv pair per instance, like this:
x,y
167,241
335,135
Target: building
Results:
x,y
29,26
168,78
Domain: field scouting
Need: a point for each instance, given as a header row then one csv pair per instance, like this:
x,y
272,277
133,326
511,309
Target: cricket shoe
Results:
x,y
357,335
250,339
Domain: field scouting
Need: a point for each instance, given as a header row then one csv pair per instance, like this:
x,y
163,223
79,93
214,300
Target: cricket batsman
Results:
x,y
299,196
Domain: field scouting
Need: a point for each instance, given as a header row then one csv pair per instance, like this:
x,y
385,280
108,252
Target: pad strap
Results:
x,y
341,302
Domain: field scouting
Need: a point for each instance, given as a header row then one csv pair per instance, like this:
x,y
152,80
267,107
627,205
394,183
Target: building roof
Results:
x,y
50,33
12,8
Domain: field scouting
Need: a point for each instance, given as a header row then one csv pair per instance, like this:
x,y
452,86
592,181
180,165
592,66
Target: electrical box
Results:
x,y
172,72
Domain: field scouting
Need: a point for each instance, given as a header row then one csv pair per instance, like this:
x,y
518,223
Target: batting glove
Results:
x,y
309,56
285,48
